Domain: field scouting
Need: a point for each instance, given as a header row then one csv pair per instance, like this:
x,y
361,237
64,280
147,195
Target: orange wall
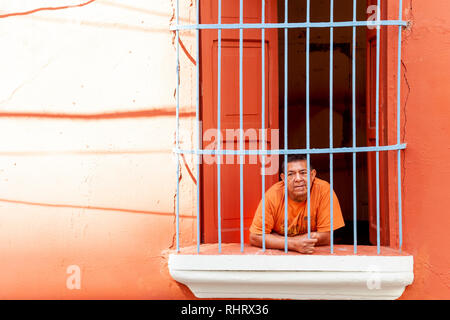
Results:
x,y
425,101
87,176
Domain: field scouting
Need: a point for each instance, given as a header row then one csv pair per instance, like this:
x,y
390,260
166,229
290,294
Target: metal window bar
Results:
x,y
177,137
241,123
399,169
377,121
286,151
331,122
289,25
286,18
219,137
308,156
197,115
355,237
263,146
266,152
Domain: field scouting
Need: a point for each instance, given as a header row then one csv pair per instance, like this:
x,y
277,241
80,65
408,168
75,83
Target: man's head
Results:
x,y
297,176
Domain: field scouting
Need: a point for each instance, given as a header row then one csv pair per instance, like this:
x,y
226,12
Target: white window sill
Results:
x,y
293,276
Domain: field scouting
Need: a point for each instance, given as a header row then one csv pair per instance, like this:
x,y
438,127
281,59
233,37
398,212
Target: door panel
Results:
x,y
252,114
230,84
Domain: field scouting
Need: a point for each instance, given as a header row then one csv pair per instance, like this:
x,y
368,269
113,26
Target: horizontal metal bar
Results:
x,y
289,25
292,151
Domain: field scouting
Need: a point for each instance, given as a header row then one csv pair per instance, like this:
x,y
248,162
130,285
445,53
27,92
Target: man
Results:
x,y
297,211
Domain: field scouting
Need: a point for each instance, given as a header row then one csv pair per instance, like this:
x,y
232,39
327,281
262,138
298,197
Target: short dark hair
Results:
x,y
292,158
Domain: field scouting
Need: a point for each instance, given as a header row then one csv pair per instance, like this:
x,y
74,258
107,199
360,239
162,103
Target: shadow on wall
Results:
x,y
94,208
148,113
111,25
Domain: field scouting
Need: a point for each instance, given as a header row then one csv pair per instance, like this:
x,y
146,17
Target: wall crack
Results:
x,y
407,31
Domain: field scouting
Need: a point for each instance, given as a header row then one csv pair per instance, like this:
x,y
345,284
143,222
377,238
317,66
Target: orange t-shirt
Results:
x,y
298,211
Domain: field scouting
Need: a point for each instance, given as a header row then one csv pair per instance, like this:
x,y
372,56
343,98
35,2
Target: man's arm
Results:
x,y
299,243
323,238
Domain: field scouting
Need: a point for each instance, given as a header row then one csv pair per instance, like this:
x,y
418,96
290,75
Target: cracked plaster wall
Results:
x,y
425,128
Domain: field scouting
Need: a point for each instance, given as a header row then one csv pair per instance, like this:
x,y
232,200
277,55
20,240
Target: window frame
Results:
x,y
209,275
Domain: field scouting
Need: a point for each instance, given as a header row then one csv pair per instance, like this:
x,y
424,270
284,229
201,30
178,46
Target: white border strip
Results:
x,y
290,263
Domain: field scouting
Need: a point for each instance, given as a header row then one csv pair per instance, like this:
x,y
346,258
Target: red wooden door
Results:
x,y
252,113
371,131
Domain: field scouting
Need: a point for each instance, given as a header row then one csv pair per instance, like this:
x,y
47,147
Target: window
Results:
x,y
283,73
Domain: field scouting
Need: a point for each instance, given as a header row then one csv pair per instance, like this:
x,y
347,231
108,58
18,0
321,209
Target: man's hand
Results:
x,y
304,245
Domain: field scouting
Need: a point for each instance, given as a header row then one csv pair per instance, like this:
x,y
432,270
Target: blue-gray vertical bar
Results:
x,y
178,132
377,138
399,169
197,112
308,138
331,123
355,238
219,133
263,166
241,126
285,126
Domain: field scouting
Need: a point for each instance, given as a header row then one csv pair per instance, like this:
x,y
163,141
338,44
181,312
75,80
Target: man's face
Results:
x,y
297,180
